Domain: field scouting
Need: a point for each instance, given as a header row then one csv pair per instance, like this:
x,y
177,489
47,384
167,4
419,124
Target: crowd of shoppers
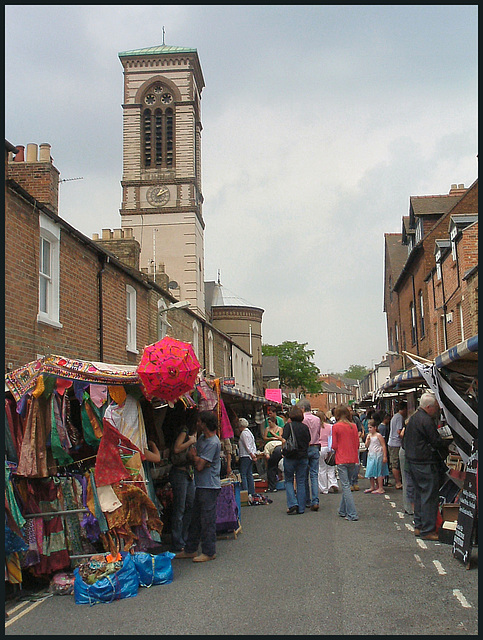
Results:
x,y
413,449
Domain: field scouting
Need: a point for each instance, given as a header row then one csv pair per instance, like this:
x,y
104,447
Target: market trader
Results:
x,y
424,449
205,456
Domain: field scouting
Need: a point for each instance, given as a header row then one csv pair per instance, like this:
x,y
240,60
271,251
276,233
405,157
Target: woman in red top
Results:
x,y
345,442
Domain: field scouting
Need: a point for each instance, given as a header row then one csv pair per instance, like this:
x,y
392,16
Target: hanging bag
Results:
x,y
330,458
290,447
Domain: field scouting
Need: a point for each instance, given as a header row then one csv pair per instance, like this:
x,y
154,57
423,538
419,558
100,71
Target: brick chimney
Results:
x,y
122,244
35,172
457,190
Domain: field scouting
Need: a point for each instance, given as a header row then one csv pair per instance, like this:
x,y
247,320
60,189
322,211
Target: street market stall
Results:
x,y
79,438
453,378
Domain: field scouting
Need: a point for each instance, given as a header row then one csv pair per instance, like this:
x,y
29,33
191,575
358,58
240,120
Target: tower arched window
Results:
x,y
158,127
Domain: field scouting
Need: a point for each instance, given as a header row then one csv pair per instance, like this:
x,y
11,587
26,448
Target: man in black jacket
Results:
x,y
424,450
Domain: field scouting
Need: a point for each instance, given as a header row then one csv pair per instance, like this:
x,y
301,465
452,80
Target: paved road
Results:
x,y
291,575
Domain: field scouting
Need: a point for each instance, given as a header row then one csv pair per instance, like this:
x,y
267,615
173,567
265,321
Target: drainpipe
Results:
x,y
103,260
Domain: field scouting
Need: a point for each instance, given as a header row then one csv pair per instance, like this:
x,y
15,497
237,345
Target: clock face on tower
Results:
x,y
158,195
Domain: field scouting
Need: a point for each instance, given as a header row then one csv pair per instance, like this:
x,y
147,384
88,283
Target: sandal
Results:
x,y
368,491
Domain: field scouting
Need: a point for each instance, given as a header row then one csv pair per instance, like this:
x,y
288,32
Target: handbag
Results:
x,y
290,447
330,458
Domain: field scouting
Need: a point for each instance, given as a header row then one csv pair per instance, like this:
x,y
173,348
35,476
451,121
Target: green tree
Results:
x,y
296,369
356,372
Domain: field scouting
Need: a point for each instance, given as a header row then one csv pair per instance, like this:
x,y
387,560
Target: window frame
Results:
x,y
158,130
196,338
422,322
49,232
131,319
412,312
211,353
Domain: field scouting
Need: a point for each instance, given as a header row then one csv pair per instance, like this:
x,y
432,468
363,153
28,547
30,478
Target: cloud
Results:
x,y
319,123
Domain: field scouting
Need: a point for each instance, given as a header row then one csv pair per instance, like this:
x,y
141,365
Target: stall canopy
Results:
x,y
24,379
454,380
235,394
453,377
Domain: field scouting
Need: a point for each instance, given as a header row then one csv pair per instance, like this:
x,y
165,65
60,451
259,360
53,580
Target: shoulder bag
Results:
x,y
330,458
289,448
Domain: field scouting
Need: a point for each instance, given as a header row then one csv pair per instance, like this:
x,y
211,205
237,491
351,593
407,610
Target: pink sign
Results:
x,y
274,394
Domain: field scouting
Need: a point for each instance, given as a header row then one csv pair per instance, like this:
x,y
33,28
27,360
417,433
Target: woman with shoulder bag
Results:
x,y
183,486
295,462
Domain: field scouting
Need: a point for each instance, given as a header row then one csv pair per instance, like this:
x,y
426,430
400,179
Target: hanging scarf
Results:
x,y
109,466
33,454
59,439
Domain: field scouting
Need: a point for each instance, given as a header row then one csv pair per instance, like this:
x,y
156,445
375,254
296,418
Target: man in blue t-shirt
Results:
x,y
205,456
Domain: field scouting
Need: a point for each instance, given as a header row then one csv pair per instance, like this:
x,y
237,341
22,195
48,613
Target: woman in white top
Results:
x,y
247,452
327,478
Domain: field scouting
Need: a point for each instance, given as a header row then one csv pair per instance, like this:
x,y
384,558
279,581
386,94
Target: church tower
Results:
x,y
161,181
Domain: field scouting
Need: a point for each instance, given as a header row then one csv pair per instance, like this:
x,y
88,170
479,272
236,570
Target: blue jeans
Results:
x,y
354,475
426,495
347,506
183,498
203,522
298,469
246,472
312,479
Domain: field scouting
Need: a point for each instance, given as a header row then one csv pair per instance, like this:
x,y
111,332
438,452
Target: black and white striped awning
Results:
x,y
460,417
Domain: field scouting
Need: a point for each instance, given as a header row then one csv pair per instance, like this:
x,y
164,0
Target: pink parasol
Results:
x,y
168,369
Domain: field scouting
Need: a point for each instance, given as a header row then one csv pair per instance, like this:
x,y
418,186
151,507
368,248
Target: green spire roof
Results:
x,y
160,49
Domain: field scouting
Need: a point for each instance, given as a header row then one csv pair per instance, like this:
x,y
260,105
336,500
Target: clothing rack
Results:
x,y
54,513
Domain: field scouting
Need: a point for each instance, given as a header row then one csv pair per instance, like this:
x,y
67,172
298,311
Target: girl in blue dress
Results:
x,y
376,467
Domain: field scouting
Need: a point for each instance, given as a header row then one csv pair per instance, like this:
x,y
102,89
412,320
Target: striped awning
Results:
x,y
461,418
441,377
461,356
466,351
405,380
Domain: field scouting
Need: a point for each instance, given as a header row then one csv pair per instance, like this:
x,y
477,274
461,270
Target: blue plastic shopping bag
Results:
x,y
124,583
153,569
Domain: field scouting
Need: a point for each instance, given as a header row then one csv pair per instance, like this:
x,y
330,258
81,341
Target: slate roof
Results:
x,y
433,205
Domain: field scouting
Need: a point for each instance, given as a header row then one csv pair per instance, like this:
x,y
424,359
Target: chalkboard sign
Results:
x,y
468,511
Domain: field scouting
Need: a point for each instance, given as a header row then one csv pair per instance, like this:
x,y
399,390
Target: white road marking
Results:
x,y
418,560
421,543
19,606
393,504
22,613
439,567
409,526
462,599
400,514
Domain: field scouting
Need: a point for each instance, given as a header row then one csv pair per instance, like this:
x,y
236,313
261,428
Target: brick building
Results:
x,y
413,292
335,391
406,296
453,281
66,294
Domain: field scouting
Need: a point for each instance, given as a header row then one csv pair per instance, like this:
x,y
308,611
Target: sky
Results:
x,y
319,123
